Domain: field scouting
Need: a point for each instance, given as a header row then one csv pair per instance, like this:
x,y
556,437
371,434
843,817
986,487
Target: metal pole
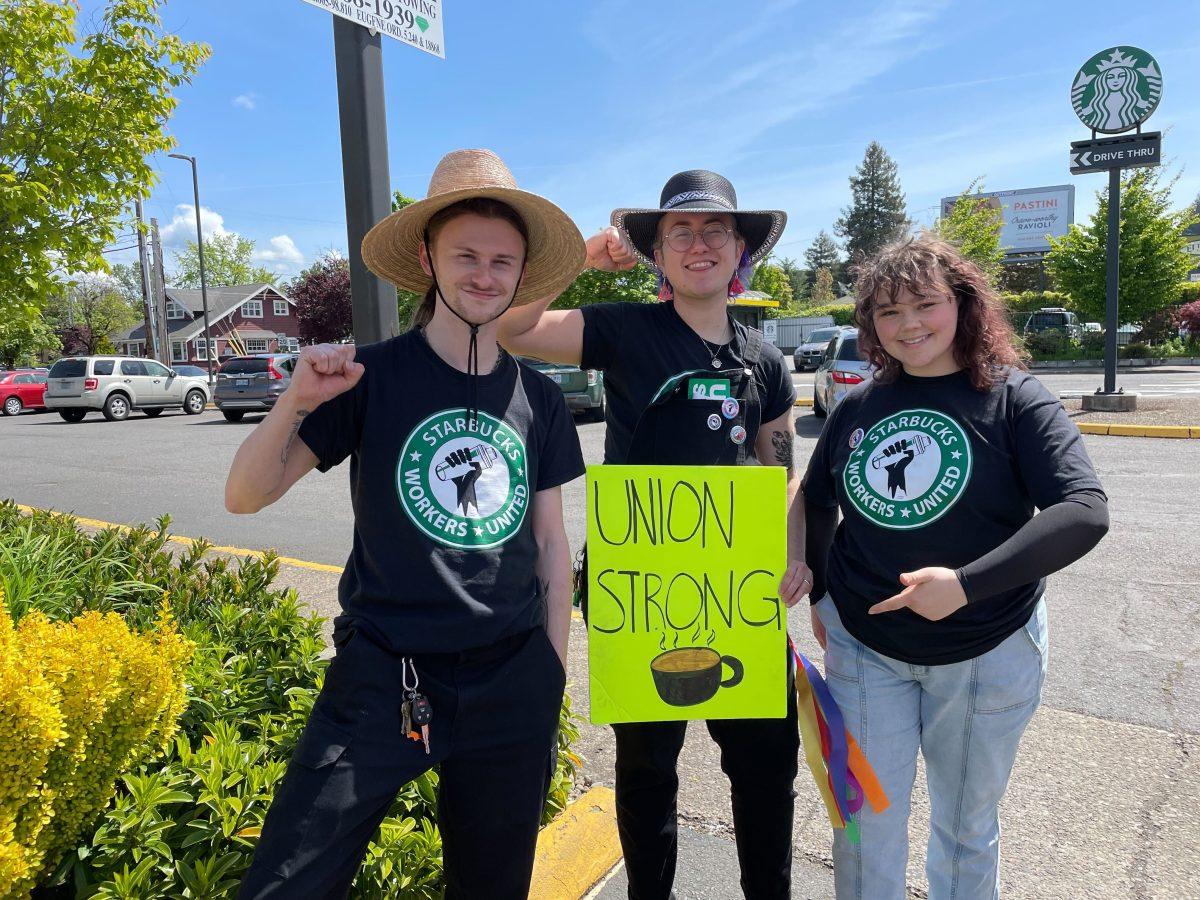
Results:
x,y
159,288
358,58
1112,272
208,346
147,303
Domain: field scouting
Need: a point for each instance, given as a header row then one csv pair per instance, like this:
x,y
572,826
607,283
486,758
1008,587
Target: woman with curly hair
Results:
x,y
928,597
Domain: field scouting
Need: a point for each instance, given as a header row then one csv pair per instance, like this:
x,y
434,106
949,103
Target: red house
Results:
x,y
256,317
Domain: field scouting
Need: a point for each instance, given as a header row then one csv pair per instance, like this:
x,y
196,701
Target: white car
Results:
x,y
117,385
841,368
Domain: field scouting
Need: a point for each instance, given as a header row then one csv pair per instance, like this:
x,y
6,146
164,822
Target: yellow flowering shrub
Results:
x,y
81,703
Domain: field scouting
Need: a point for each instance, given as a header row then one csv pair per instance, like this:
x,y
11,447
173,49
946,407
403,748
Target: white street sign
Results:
x,y
417,23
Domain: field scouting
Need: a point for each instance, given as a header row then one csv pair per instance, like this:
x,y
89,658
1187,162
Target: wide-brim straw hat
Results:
x,y
555,253
699,190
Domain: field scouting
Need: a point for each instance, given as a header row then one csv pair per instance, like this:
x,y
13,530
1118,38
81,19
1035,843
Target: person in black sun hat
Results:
x,y
703,248
456,596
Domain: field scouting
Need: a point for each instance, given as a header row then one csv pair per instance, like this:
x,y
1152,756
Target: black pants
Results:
x,y
760,757
495,712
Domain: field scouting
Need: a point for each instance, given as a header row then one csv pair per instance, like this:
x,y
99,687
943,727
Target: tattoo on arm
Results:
x,y
287,447
782,441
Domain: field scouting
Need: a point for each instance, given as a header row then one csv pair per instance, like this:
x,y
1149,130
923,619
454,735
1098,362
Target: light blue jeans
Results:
x,y
967,719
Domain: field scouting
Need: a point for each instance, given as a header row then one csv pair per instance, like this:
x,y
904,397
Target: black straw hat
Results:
x,y
698,190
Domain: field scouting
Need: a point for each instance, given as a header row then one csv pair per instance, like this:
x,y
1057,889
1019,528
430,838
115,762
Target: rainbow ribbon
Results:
x,y
840,769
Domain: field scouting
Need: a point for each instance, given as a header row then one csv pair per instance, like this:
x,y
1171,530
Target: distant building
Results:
x,y
258,318
1193,248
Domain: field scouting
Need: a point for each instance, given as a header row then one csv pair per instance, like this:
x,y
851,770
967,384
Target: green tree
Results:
x,y
227,261
1152,257
95,305
797,278
24,340
772,281
79,116
973,225
406,301
876,213
594,286
401,200
823,253
822,290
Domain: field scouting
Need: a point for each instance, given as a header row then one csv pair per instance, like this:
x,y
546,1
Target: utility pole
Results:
x,y
159,285
152,344
209,346
358,59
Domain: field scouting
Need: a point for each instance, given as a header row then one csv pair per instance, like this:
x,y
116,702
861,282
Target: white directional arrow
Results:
x,y
1081,159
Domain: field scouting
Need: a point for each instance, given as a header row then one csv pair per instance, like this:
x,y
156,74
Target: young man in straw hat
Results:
x,y
456,596
703,246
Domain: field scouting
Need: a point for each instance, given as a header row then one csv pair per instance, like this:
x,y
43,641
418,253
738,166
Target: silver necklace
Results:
x,y
715,354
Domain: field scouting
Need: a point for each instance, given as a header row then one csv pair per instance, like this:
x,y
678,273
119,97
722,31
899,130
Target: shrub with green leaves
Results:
x,y
186,825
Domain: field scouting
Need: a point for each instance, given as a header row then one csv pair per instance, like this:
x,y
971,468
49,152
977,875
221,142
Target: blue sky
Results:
x,y
596,104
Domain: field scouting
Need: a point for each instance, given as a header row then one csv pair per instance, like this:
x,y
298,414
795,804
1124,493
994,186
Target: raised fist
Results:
x,y
324,371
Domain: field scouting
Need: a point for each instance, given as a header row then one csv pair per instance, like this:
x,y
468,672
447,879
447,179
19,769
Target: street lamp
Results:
x,y
208,347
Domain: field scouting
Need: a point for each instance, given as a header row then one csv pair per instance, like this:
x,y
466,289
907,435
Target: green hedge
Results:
x,y
842,314
186,825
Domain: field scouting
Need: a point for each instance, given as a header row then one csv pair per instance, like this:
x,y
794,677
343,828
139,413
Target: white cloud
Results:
x,y
182,228
246,101
283,250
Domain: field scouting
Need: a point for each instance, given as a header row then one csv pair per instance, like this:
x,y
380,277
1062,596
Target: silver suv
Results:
x,y
117,385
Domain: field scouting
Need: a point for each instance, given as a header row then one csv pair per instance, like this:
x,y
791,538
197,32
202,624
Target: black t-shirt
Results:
x,y
641,345
444,555
931,472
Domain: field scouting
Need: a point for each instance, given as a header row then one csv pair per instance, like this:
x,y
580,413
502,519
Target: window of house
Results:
x,y
252,309
256,345
281,307
200,350
174,310
178,353
289,345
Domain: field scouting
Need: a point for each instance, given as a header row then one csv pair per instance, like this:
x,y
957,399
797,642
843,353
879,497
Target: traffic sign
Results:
x,y
1125,152
417,23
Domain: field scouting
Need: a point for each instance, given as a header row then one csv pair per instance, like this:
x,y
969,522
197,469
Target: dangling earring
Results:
x,y
736,286
665,291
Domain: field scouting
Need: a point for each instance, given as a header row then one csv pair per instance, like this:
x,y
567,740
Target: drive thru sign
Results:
x,y
417,23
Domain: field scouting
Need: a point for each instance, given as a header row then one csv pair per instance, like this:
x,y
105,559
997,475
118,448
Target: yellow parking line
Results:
x,y
578,848
804,401
1148,431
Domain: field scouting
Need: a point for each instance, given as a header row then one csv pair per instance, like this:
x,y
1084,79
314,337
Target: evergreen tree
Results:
x,y
876,213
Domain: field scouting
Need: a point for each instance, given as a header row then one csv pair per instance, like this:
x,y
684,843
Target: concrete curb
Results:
x,y
1147,431
1058,365
578,848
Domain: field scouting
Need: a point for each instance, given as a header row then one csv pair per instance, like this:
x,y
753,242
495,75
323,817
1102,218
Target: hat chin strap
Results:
x,y
473,346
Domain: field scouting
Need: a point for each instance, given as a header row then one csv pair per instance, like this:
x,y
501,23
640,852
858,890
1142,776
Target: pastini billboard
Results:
x,y
1030,215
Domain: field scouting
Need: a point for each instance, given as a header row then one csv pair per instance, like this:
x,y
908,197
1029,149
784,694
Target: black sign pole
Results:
x,y
358,58
1112,274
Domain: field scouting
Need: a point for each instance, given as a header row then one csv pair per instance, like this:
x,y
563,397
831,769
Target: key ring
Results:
x,y
405,662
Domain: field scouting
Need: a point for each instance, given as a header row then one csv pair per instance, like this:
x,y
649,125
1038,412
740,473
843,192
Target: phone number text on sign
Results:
x,y
417,23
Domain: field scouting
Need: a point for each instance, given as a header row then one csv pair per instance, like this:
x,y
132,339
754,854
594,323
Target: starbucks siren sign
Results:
x,y
1117,89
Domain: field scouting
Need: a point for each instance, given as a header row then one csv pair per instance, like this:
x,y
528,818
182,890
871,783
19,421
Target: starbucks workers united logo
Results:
x,y
908,469
464,484
1116,89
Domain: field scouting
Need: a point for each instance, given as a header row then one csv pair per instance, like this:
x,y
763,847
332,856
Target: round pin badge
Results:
x,y
730,407
737,434
714,422
856,438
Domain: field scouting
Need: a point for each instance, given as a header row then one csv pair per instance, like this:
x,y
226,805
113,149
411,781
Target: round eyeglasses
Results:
x,y
715,236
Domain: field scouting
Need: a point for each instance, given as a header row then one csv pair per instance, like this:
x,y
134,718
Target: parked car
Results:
x,y
22,389
808,354
117,385
252,383
841,368
191,371
583,390
1049,317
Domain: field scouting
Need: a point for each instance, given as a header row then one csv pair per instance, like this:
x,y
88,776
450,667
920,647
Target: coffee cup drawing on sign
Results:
x,y
686,676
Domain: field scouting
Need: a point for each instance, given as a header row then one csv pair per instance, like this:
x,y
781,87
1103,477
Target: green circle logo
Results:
x,y
908,469
464,484
1116,89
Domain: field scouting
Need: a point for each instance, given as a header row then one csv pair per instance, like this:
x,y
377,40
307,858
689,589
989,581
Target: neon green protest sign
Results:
x,y
684,615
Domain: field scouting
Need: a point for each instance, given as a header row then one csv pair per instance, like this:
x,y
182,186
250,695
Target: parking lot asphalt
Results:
x,y
1104,801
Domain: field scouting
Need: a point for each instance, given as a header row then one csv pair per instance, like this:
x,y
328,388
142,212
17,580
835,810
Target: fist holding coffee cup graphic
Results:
x,y
686,676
